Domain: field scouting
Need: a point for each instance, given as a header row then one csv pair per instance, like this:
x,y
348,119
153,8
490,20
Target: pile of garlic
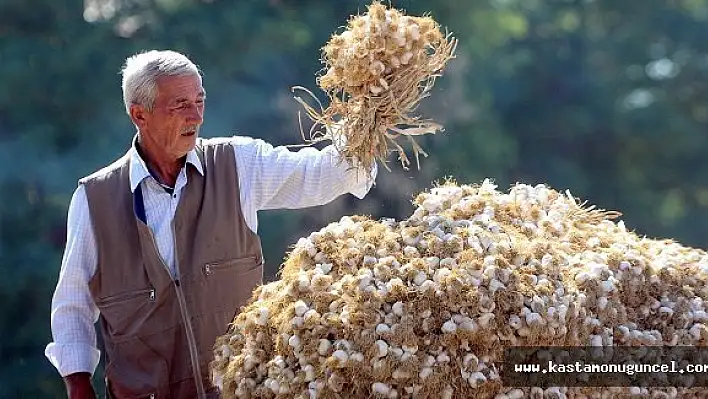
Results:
x,y
425,307
376,72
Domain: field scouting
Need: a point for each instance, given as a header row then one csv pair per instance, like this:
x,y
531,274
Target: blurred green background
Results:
x,y
606,98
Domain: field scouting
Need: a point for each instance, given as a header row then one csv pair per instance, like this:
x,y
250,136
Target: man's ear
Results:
x,y
138,115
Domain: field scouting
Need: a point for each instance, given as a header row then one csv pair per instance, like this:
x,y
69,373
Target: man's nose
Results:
x,y
195,115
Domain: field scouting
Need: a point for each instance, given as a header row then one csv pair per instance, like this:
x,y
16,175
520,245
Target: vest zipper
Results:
x,y
191,340
128,296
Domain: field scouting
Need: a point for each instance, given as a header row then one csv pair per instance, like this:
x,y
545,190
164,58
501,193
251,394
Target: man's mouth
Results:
x,y
189,131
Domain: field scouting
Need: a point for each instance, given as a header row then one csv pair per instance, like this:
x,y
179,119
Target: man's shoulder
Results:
x,y
233,141
111,170
237,145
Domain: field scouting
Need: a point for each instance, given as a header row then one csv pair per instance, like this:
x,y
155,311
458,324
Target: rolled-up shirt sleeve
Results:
x,y
73,311
280,178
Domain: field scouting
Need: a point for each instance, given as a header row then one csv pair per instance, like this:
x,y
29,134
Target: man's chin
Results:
x,y
189,141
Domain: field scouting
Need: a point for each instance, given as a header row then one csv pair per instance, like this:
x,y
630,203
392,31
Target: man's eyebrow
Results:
x,y
201,95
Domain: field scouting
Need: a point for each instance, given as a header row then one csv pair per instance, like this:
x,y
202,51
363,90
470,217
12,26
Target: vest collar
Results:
x,y
138,168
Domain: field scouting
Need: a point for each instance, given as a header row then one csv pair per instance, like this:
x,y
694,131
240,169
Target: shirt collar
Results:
x,y
139,171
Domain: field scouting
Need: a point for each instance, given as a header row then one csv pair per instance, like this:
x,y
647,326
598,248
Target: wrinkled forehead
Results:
x,y
173,87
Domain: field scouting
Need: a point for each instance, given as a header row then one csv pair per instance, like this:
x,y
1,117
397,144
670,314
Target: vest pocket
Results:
x,y
230,283
135,370
147,293
121,311
225,287
240,265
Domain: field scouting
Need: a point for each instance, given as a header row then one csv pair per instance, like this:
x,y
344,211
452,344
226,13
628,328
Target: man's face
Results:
x,y
177,115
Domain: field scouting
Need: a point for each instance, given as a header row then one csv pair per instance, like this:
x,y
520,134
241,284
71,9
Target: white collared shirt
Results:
x,y
268,178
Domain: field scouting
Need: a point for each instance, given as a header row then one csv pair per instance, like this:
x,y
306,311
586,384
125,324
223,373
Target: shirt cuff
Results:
x,y
364,183
73,358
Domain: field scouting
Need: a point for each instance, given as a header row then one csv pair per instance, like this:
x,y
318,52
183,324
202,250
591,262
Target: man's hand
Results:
x,y
78,386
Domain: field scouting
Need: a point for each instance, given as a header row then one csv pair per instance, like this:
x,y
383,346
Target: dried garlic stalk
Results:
x,y
425,307
377,72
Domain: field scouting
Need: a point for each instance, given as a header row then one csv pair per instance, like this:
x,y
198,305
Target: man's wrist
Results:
x,y
78,386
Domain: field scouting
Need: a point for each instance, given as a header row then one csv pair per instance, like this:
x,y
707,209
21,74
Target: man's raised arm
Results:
x,y
278,178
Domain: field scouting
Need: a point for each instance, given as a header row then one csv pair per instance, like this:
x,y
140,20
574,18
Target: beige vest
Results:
x,y
159,332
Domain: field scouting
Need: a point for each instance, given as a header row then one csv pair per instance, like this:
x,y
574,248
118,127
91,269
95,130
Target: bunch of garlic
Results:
x,y
362,59
425,307
376,73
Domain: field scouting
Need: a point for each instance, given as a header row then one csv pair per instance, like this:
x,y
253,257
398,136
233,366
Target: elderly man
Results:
x,y
162,243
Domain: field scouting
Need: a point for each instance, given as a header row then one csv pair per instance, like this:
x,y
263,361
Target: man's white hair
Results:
x,y
141,71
